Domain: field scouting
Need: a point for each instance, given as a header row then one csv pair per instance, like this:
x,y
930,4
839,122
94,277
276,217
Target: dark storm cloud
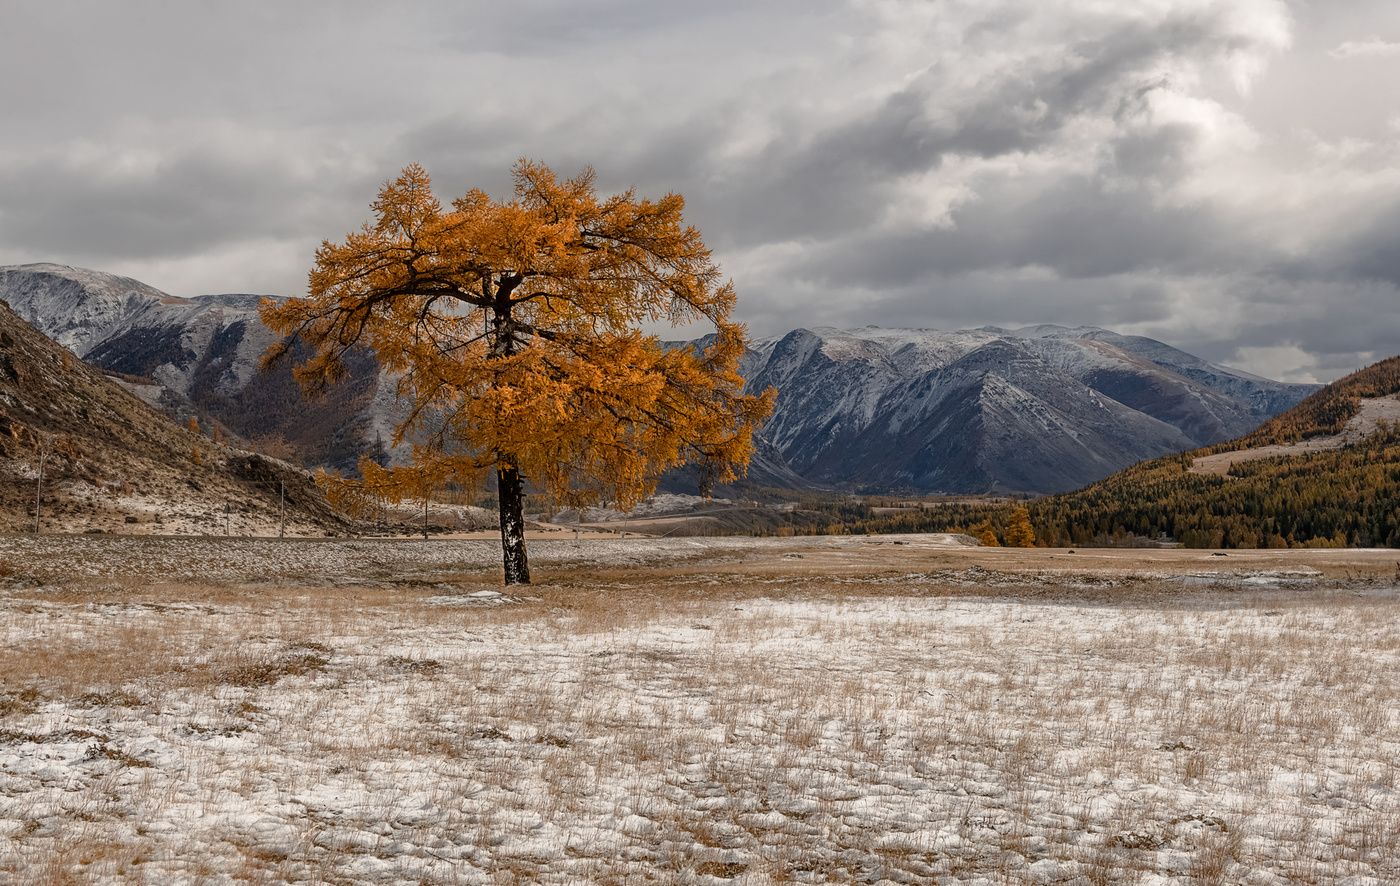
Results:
x,y
1375,253
1175,170
1074,228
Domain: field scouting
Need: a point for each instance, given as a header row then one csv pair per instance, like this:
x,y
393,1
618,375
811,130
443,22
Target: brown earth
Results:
x,y
821,564
677,711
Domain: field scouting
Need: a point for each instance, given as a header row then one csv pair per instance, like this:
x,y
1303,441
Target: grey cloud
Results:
x,y
836,182
1076,227
1372,47
1082,229
798,132
1158,154
1375,254
543,27
187,203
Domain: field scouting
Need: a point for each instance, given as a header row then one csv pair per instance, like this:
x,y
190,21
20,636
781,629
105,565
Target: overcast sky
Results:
x,y
1223,176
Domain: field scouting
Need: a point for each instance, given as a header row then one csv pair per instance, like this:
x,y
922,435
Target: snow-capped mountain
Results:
x,y
1040,409
125,326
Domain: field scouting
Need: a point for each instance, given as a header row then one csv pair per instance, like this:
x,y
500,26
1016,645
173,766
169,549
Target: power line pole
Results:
x,y
282,527
228,517
38,494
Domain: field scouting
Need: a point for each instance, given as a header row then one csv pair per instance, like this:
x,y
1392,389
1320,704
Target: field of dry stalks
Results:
x,y
694,711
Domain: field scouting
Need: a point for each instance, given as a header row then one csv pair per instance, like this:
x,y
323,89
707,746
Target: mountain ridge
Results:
x,y
203,353
1037,409
981,411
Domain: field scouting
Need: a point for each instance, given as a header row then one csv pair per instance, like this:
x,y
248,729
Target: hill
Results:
x,y
1327,411
111,462
1323,474
197,357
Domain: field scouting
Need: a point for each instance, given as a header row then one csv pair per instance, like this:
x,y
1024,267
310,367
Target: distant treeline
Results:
x,y
1338,498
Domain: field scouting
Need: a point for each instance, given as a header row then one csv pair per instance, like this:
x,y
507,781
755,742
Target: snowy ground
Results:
x,y
717,711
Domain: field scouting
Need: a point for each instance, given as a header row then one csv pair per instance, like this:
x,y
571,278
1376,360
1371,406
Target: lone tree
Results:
x,y
515,331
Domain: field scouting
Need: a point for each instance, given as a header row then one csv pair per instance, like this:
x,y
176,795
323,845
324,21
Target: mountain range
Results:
x,y
1037,410
1326,473
198,357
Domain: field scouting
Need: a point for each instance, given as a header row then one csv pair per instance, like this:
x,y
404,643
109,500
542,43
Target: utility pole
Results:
x,y
282,527
228,517
38,494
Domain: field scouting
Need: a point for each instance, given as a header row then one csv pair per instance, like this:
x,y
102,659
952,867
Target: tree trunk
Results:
x,y
512,498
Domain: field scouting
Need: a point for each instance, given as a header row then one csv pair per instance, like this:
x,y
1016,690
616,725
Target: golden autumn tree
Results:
x,y
515,331
1019,532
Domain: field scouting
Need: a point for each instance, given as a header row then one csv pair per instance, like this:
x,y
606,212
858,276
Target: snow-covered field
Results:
x,y
716,711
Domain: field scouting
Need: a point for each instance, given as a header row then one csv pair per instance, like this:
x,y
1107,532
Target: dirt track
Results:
x,y
804,560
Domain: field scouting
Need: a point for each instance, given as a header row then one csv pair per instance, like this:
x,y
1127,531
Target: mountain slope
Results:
x,y
996,418
1263,396
1328,410
1043,409
111,460
202,354
1325,473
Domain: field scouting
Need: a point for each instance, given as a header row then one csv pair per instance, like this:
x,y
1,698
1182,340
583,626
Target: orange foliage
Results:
x,y
515,330
1019,532
987,536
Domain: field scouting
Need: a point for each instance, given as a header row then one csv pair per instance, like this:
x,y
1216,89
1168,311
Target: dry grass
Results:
x,y
860,714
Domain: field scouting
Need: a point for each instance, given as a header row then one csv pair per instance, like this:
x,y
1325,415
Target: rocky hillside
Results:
x,y
112,463
198,357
